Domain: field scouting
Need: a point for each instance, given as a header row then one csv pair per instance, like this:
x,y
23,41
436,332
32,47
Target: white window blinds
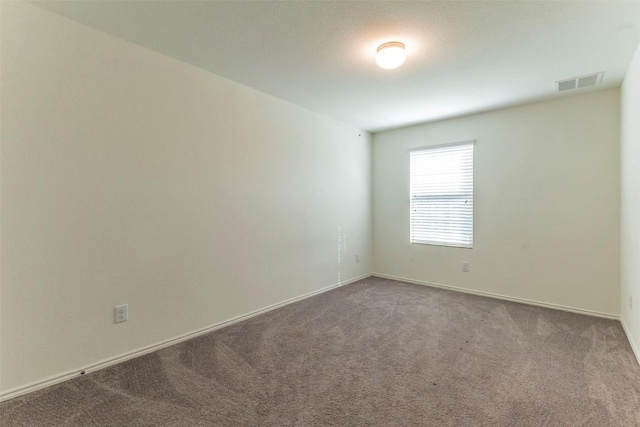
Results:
x,y
441,191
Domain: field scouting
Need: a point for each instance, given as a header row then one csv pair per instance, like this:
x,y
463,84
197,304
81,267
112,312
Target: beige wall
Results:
x,y
630,215
129,177
546,212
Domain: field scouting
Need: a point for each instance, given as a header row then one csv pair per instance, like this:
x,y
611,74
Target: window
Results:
x,y
441,191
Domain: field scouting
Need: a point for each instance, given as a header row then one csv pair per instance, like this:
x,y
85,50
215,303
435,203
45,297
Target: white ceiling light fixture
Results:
x,y
391,55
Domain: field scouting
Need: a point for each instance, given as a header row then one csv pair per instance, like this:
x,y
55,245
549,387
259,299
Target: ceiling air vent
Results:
x,y
579,82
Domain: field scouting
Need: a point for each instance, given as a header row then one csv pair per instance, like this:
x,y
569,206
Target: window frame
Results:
x,y
472,143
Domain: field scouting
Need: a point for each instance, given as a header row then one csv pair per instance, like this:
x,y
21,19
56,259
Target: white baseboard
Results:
x,y
632,343
502,297
18,391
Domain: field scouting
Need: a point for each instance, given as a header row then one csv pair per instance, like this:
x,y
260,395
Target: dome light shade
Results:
x,y
390,55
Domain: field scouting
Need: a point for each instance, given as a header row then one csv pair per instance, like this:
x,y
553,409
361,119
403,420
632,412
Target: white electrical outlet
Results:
x,y
630,302
357,257
465,266
122,313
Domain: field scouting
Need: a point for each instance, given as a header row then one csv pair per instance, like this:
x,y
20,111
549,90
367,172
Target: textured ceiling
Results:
x,y
463,57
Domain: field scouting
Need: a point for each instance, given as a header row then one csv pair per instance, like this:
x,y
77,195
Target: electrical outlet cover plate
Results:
x,y
122,313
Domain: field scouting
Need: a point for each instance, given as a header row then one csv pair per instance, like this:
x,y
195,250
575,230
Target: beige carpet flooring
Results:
x,y
373,353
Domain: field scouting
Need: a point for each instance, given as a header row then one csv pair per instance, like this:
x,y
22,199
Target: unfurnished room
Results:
x,y
319,213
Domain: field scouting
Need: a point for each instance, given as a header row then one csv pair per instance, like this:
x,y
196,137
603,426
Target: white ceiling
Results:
x,y
463,57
